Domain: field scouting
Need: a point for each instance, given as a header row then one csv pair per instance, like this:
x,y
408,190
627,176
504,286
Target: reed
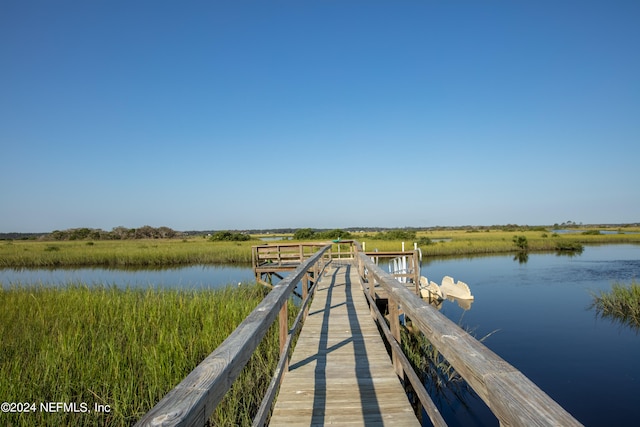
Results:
x,y
122,253
443,383
621,304
121,348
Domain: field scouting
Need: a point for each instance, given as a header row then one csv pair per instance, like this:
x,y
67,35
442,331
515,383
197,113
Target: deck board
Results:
x,y
340,372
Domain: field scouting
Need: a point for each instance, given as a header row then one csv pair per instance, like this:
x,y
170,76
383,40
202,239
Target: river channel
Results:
x,y
189,277
539,310
536,311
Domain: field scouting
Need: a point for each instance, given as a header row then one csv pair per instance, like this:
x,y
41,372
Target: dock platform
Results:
x,y
340,371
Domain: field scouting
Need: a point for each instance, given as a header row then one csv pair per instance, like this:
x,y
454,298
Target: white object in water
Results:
x,y
459,290
430,289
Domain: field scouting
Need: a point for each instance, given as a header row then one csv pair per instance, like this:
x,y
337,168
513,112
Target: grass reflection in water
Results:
x,y
620,304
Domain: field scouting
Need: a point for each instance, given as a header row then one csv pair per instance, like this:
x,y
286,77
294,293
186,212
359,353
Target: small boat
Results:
x,y
430,290
448,288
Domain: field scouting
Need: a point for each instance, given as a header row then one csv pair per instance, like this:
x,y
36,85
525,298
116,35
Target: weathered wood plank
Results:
x,y
340,371
193,400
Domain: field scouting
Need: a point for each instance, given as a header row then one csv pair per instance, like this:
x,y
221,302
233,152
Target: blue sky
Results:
x,y
236,115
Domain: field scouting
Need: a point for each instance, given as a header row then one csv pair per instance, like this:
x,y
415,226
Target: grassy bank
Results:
x,y
122,348
122,253
166,252
463,242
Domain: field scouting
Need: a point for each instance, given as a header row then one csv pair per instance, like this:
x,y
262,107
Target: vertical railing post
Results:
x,y
284,330
394,326
416,272
372,293
305,292
254,262
254,252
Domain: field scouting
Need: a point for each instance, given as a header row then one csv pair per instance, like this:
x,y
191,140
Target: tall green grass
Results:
x,y
165,252
122,253
621,303
434,370
122,348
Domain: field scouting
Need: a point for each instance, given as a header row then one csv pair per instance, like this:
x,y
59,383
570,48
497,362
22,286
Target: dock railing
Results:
x,y
283,253
273,254
193,400
275,259
513,398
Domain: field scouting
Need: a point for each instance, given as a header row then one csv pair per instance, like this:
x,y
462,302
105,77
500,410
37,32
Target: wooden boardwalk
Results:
x,y
340,372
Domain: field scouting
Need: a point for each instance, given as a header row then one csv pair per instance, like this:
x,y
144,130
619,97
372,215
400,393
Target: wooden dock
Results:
x,y
340,371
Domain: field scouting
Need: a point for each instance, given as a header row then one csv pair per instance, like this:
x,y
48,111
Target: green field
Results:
x,y
123,349
197,250
122,253
491,241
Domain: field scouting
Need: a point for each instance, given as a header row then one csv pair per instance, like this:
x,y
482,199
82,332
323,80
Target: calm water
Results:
x,y
545,329
191,277
539,310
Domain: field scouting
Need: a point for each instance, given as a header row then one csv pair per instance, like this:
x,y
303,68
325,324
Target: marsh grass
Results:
x,y
621,304
461,242
122,348
168,252
123,253
443,383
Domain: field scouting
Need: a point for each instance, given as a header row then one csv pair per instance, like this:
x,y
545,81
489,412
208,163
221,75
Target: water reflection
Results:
x,y
540,308
570,253
619,305
521,257
436,302
191,277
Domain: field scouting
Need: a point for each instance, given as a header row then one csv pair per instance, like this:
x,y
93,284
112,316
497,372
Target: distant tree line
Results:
x,y
147,232
229,236
20,236
117,233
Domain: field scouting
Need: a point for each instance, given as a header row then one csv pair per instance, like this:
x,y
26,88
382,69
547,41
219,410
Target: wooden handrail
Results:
x,y
278,252
265,407
427,403
511,396
193,400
